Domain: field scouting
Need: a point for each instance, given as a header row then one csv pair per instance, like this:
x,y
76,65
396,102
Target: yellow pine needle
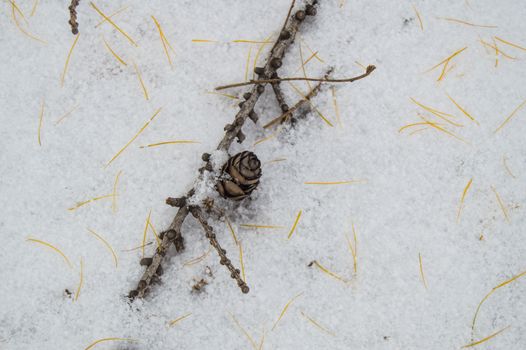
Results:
x,y
114,199
317,325
67,59
328,272
40,119
265,139
419,18
485,339
446,59
136,135
81,281
241,262
504,161
303,66
245,333
435,112
436,126
59,120
510,43
204,41
231,230
332,182
422,270
80,204
14,8
198,259
461,205
315,53
285,310
113,53
247,65
360,65
312,106
172,323
262,342
174,142
454,20
307,60
223,94
52,247
252,41
33,10
108,339
417,131
294,225
112,15
496,53
139,247
161,35
258,53
353,249
335,105
112,23
141,81
414,124
145,231
260,226
155,234
110,248
510,116
276,160
501,204
497,50
462,109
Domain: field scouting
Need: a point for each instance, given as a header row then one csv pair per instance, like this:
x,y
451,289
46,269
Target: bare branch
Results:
x,y
73,16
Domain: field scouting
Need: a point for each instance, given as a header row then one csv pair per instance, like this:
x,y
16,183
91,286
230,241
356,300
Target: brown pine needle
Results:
x,y
462,109
247,65
442,115
33,10
141,81
155,234
317,325
245,333
294,225
112,15
265,139
52,247
251,41
333,182
285,310
40,119
466,23
161,35
335,105
436,126
461,205
80,204
261,226
328,272
113,53
172,323
136,135
231,230
419,18
485,339
198,259
174,142
510,43
204,41
139,247
105,242
14,8
145,232
67,59
501,204
422,270
59,120
510,116
241,263
505,162
108,339
81,281
113,23
114,199
446,60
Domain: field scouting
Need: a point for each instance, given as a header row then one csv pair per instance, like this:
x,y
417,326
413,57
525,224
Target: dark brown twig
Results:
x,y
368,71
73,16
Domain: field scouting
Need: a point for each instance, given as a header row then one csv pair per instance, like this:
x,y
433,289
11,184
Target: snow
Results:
x,y
407,204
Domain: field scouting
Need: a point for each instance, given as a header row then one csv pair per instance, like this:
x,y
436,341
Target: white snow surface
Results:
x,y
405,206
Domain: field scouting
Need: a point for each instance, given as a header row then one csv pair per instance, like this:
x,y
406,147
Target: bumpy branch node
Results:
x,y
73,16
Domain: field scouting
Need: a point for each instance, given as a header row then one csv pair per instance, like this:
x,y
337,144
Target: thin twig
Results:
x,y
73,16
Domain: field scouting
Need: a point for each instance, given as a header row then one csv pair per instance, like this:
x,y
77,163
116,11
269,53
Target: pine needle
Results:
x,y
485,339
14,8
353,249
496,49
251,41
311,104
265,139
260,226
461,205
174,142
223,94
162,36
335,105
445,62
285,310
33,10
67,59
454,20
108,339
113,53
59,120
501,204
105,242
333,182
317,325
303,66
155,233
145,231
241,262
80,204
415,124
136,135
247,66
442,115
245,333
204,41
315,53
139,247
422,270
198,259
462,109
328,272
231,230
436,126
294,225
276,160
262,342
510,43
510,116
114,199
417,131
112,15
419,18
172,323
258,53
113,23
81,281
141,81
504,161
52,247
40,119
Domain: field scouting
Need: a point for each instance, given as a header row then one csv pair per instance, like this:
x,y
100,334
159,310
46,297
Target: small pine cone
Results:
x,y
245,170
